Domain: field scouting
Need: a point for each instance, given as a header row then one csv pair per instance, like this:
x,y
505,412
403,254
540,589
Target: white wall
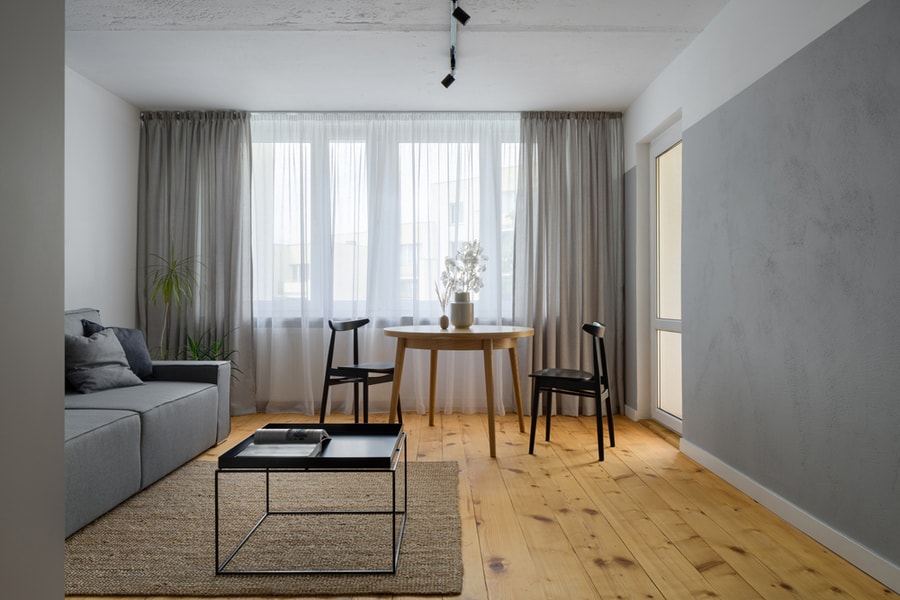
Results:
x,y
746,40
101,201
31,295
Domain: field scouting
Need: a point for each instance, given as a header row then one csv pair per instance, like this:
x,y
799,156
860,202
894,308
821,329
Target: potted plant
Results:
x,y
207,347
174,280
462,274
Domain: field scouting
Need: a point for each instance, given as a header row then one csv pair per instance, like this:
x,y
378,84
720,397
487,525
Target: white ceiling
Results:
x,y
378,54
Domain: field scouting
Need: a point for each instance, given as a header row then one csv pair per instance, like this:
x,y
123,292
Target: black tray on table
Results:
x,y
352,446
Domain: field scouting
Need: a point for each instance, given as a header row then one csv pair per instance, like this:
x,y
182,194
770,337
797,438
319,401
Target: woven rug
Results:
x,y
162,541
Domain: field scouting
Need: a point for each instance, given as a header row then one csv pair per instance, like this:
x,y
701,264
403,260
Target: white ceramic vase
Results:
x,y
462,311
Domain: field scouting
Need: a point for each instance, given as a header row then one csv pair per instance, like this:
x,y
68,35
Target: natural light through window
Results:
x,y
354,215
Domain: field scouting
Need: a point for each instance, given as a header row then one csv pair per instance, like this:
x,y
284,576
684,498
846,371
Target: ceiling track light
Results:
x,y
457,15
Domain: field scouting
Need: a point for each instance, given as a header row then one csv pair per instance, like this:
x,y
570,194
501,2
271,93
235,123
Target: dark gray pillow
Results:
x,y
97,363
133,343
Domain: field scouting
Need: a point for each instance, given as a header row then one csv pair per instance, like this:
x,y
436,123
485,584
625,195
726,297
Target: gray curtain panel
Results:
x,y
570,250
194,206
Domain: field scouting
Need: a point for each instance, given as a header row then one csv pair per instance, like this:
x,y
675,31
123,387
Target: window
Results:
x,y
354,214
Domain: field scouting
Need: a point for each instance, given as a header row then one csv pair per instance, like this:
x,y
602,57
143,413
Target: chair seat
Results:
x,y
357,373
373,367
564,374
577,382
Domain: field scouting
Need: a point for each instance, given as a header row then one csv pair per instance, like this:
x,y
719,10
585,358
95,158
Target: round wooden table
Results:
x,y
486,338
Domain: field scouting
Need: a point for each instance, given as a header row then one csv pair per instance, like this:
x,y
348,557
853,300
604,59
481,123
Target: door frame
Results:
x,y
663,142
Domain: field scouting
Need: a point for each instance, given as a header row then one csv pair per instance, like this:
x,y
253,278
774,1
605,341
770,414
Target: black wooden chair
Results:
x,y
365,374
578,383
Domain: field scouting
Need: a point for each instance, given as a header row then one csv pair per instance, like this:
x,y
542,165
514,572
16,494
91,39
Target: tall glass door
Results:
x,y
666,280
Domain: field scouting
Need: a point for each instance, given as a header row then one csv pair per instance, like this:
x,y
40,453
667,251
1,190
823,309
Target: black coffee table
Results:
x,y
362,448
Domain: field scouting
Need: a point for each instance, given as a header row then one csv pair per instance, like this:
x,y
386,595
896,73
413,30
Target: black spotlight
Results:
x,y
460,15
448,80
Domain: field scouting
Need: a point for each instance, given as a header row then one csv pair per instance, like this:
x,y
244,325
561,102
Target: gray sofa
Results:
x,y
119,441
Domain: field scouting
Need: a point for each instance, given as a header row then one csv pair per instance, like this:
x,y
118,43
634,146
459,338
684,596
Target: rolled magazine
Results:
x,y
289,442
272,435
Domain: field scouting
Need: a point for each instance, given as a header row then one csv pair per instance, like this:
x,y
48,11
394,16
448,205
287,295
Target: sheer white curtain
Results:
x,y
353,214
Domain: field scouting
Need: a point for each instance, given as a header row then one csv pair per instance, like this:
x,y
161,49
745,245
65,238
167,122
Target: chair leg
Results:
x,y
535,394
609,421
548,408
366,402
599,429
399,412
324,402
356,402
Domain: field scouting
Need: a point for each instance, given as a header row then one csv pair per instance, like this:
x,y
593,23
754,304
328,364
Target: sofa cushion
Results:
x,y
138,399
103,462
73,319
133,343
178,420
97,363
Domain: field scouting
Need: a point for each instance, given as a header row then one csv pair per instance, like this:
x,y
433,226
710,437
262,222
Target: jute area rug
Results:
x,y
162,541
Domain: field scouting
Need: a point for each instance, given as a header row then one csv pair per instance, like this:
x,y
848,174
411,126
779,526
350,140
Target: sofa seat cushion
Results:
x,y
178,420
102,462
139,399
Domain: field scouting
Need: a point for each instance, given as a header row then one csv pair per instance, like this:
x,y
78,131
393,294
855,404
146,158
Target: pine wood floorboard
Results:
x,y
648,522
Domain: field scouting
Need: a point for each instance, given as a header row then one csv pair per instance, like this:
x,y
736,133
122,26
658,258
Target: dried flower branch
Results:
x,y
443,295
463,273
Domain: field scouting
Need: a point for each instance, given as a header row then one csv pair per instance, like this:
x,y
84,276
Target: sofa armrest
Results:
x,y
216,372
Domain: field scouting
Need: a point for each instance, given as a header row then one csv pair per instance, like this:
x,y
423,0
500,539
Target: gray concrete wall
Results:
x,y
792,280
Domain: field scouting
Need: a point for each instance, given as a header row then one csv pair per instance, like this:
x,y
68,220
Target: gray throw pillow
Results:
x,y
97,363
133,344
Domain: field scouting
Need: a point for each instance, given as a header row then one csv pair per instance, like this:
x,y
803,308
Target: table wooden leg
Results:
x,y
489,389
432,389
514,364
398,373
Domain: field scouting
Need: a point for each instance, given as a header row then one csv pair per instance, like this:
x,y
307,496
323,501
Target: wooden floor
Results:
x,y
646,523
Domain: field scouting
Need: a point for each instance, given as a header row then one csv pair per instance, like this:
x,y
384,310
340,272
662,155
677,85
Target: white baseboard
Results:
x,y
858,555
631,413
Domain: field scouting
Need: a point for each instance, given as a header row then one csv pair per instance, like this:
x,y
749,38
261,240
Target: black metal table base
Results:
x,y
397,515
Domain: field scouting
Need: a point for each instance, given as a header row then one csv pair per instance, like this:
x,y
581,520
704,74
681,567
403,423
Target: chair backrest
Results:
x,y
347,325
598,331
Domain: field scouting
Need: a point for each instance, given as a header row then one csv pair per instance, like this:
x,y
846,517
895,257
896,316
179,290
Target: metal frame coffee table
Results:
x,y
369,448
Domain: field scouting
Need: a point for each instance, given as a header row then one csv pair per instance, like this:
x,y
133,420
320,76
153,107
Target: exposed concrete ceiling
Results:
x,y
378,54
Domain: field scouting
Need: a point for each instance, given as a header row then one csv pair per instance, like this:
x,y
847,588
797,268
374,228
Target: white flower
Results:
x,y
463,273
